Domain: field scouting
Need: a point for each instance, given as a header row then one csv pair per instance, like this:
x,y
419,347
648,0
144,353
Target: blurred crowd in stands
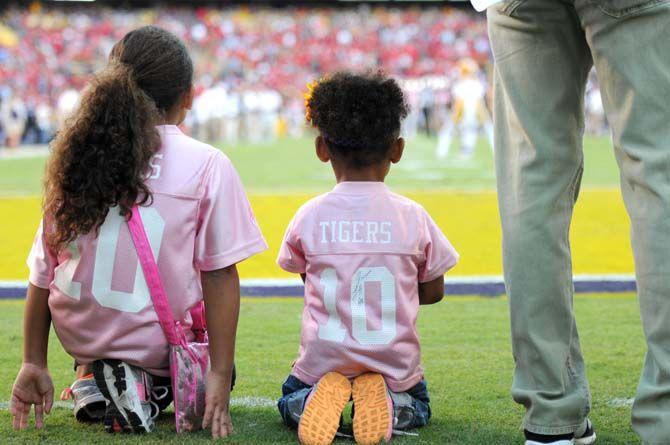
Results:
x,y
252,64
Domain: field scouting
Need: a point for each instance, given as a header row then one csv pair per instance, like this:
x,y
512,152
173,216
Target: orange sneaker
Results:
x,y
323,408
373,410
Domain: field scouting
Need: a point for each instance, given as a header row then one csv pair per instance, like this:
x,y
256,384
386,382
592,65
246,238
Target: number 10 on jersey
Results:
x,y
333,329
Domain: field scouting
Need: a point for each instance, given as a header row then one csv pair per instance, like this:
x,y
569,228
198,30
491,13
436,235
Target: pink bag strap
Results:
x,y
153,279
198,316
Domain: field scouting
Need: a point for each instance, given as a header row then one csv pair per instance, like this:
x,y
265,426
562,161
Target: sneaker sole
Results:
x,y
372,410
117,384
321,417
90,409
590,440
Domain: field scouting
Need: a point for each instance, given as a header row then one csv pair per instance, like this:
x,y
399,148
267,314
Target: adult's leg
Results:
x,y
541,64
630,51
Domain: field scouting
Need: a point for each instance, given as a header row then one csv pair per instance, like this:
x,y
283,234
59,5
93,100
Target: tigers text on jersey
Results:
x,y
364,251
199,220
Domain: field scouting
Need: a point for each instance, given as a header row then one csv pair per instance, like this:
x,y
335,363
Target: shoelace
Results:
x,y
395,433
404,433
155,410
66,394
156,389
155,395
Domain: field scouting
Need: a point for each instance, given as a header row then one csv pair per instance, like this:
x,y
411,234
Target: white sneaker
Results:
x,y
585,434
558,442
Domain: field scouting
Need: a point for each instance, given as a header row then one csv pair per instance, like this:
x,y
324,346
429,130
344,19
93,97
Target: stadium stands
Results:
x,y
258,59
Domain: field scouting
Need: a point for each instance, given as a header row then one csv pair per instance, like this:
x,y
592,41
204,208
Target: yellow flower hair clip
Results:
x,y
308,98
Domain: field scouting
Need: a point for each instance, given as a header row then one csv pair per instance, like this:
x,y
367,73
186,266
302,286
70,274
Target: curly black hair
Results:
x,y
358,115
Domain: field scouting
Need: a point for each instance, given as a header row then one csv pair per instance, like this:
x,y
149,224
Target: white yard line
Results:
x,y
244,402
621,402
24,152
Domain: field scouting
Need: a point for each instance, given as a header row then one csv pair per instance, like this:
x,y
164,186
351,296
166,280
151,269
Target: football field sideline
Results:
x,y
599,233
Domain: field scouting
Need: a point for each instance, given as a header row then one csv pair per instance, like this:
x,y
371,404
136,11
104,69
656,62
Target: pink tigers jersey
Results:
x,y
364,251
199,220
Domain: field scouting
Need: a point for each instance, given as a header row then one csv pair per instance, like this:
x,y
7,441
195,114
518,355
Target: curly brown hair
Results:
x,y
100,158
358,114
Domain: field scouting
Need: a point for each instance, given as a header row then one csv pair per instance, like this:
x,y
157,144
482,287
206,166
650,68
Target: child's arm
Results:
x,y
33,385
221,291
431,292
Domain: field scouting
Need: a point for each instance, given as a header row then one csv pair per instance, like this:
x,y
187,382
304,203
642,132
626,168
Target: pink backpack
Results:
x,y
189,361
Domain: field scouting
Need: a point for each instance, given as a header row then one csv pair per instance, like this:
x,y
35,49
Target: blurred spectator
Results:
x,y
66,104
14,117
596,122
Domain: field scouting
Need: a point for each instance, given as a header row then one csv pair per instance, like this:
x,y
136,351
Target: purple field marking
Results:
x,y
489,286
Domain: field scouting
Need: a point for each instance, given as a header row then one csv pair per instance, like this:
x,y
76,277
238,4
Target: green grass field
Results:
x,y
467,359
290,166
466,348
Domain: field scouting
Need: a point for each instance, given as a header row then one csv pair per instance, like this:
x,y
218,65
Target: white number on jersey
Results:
x,y
105,256
332,330
63,278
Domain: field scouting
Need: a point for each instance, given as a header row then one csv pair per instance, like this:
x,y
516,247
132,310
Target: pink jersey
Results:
x,y
199,220
364,251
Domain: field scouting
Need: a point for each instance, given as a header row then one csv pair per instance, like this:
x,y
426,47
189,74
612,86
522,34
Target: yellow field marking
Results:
x,y
19,218
470,220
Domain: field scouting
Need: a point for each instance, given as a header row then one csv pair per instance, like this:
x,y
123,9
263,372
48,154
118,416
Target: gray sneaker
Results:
x,y
403,410
89,403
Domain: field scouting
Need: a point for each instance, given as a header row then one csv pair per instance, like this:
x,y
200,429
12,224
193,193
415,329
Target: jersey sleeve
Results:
x,y
438,254
227,230
42,261
291,255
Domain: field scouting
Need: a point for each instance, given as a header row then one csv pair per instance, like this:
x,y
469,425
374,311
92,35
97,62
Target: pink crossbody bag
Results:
x,y
189,360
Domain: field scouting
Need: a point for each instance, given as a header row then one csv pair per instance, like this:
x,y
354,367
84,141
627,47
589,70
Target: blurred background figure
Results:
x,y
596,122
427,109
231,117
14,117
66,104
469,115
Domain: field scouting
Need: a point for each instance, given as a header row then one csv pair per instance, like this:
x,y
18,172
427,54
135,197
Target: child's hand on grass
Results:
x,y
33,386
217,401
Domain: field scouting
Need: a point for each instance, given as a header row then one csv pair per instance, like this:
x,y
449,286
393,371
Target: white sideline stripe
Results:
x,y
244,402
24,152
621,402
265,193
282,282
253,402
12,284
57,405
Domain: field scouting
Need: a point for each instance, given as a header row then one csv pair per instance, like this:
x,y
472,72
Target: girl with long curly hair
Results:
x,y
123,148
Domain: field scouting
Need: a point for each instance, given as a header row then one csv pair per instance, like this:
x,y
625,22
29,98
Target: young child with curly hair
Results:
x,y
369,258
123,148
